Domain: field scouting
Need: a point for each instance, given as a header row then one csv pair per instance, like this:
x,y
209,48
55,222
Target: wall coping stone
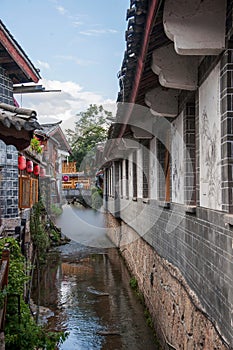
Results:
x,y
228,219
191,209
164,204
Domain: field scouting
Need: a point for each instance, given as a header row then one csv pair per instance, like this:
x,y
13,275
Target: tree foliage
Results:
x,y
90,129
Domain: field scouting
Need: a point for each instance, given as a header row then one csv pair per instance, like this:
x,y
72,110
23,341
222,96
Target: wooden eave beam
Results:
x,y
5,59
17,56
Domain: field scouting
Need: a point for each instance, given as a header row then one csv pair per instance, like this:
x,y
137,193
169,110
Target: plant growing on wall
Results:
x,y
97,198
21,331
35,145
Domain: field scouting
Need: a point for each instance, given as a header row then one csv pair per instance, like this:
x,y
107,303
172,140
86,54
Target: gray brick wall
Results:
x,y
226,86
199,245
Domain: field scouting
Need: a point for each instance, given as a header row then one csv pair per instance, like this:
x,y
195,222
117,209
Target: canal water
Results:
x,y
86,288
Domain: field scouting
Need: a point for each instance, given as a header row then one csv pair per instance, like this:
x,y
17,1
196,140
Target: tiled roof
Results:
x,y
137,16
17,125
53,131
19,118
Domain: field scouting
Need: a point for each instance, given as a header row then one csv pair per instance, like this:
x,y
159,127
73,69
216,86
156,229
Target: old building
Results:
x,y
55,150
168,167
16,128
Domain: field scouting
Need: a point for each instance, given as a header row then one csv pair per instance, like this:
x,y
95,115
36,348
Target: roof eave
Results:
x,y
18,55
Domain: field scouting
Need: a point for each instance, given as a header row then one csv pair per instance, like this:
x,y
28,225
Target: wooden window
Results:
x,y
28,191
116,178
121,178
106,183
135,182
111,181
164,172
127,177
146,166
34,191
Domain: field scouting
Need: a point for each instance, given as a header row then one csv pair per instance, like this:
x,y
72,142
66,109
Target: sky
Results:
x,y
78,45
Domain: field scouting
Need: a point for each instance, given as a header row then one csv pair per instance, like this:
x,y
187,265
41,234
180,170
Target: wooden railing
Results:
x,y
70,193
4,270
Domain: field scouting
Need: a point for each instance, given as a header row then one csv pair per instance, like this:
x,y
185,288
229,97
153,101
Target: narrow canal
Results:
x,y
87,289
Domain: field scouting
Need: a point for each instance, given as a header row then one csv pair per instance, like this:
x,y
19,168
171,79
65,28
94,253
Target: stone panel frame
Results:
x,y
197,152
189,154
226,103
188,105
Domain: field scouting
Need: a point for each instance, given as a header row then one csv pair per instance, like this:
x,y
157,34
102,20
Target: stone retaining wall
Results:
x,y
179,318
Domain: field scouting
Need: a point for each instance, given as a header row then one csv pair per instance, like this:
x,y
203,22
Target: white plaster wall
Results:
x,y
153,169
210,141
177,158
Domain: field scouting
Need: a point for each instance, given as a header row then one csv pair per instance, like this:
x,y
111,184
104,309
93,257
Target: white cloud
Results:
x,y
64,105
61,10
114,31
77,23
43,64
97,32
80,62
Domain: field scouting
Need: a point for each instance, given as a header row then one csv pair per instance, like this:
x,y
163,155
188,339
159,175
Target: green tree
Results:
x,y
90,129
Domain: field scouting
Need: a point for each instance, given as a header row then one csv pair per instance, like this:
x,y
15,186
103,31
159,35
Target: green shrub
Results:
x,y
133,283
55,210
54,235
21,331
96,198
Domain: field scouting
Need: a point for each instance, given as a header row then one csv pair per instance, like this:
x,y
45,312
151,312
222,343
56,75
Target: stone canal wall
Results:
x,y
179,318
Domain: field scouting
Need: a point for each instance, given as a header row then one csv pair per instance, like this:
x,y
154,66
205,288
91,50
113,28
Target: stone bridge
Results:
x,y
81,196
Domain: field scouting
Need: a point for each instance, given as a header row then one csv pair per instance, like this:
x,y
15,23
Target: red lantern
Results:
x,y
21,162
29,166
36,170
42,172
65,178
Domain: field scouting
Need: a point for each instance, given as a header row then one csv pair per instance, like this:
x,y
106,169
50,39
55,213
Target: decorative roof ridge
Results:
x,y
50,125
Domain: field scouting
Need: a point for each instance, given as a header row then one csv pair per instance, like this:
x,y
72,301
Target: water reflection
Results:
x,y
88,290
